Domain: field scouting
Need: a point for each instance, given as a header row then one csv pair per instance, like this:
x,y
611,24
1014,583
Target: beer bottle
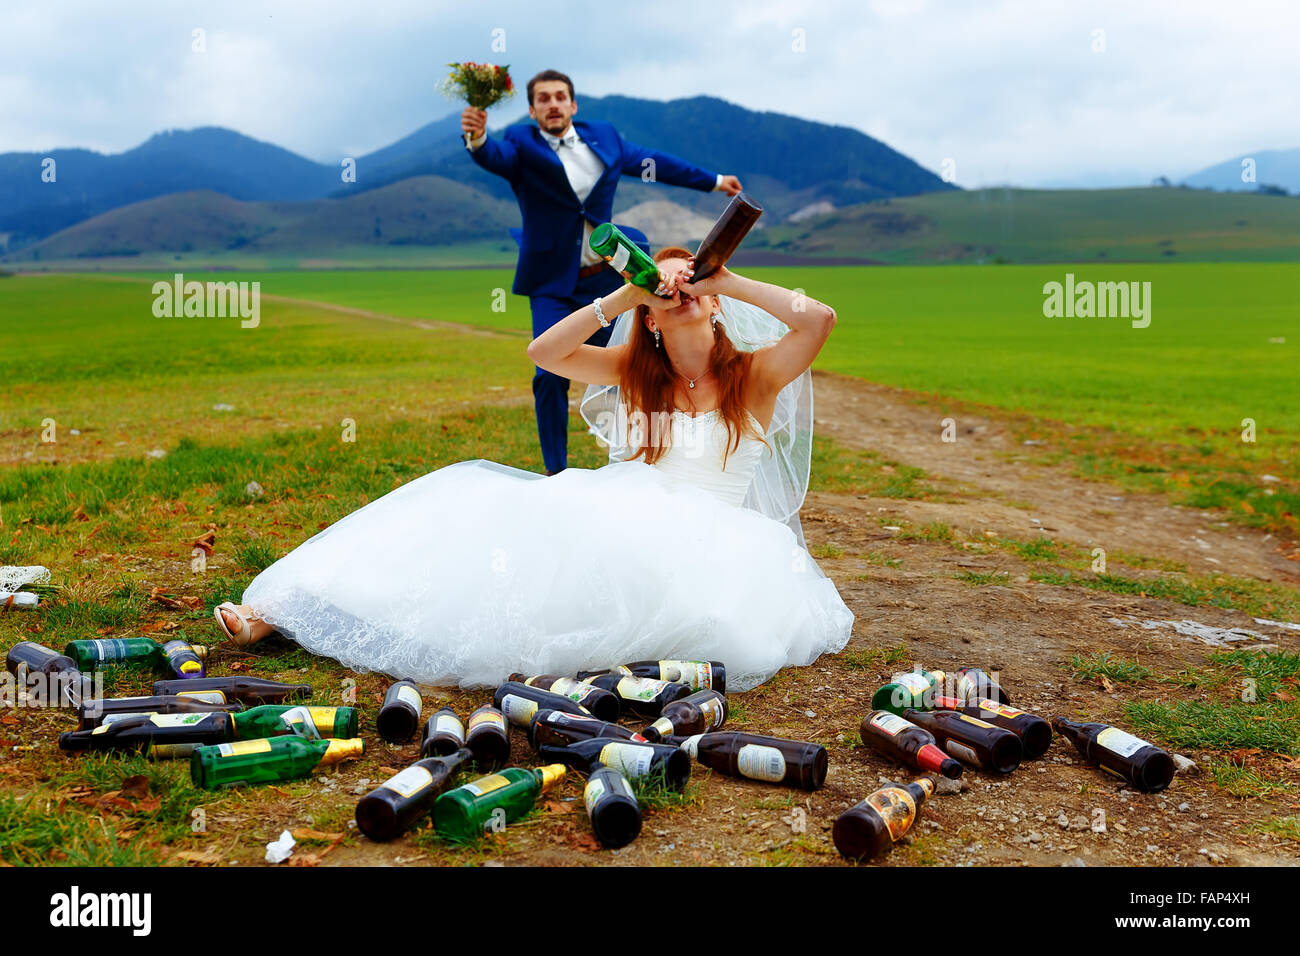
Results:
x,y
642,695
892,736
973,684
385,812
466,812
726,235
158,735
913,689
267,760
38,659
795,763
185,659
559,729
246,690
274,720
93,711
698,713
631,758
1143,764
400,715
601,703
871,828
613,809
443,734
519,702
700,675
487,738
93,654
1035,733
625,256
970,739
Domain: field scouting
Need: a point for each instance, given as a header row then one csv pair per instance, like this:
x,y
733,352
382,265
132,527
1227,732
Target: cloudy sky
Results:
x,y
1031,92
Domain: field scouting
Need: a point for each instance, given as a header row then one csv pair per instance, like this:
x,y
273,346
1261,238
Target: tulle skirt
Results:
x,y
480,569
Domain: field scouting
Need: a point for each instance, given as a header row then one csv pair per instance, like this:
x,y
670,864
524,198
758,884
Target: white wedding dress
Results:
x,y
479,569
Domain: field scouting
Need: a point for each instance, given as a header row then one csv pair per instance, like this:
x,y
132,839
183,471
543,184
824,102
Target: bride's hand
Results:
x,y
639,296
716,284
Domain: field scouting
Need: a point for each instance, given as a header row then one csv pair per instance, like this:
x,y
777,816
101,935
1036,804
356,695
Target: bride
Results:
x,y
687,545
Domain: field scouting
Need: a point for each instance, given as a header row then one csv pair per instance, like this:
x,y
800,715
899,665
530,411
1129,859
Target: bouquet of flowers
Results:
x,y
479,84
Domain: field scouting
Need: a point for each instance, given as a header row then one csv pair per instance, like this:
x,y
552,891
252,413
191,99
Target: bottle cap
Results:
x,y
340,750
551,775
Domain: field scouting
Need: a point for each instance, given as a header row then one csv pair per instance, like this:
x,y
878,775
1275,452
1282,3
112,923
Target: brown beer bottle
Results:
x,y
559,729
699,713
487,738
1034,732
795,763
519,701
443,735
385,812
972,740
892,736
726,235
246,690
601,703
972,684
871,828
613,808
629,757
642,695
701,675
94,711
1143,764
158,735
400,714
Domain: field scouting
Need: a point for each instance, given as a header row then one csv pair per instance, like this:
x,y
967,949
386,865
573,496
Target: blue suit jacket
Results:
x,y
553,216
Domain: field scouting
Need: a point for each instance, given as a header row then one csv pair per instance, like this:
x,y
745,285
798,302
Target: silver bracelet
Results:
x,y
600,314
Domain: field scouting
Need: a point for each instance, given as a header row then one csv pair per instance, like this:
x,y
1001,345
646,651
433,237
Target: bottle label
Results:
x,y
1000,709
891,724
172,751
1119,742
485,785
591,796
976,721
664,726
409,695
713,713
973,687
449,724
409,782
638,688
631,760
620,257
761,763
699,674
490,717
110,650
323,718
575,690
691,745
158,720
302,721
896,808
240,747
519,710
962,752
207,696
916,683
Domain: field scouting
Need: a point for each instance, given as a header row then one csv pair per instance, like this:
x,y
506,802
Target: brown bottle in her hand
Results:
x,y
871,828
971,740
726,235
1143,764
795,763
901,740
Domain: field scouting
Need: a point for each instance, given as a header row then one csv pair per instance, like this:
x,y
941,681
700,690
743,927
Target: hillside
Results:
x,y
1273,167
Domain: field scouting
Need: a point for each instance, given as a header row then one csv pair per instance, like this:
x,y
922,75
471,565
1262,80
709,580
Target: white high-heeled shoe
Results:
x,y
242,638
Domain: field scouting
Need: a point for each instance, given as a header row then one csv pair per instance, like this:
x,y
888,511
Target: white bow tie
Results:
x,y
569,139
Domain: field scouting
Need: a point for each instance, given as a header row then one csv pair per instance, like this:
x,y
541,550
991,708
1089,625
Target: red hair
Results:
x,y
646,379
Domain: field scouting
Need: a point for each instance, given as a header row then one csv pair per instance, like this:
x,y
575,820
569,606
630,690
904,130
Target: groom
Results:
x,y
564,175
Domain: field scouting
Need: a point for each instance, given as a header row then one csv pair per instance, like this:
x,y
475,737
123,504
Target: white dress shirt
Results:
x,y
583,168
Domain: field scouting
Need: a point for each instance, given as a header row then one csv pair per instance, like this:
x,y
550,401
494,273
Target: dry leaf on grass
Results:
x,y
185,603
208,542
206,858
560,806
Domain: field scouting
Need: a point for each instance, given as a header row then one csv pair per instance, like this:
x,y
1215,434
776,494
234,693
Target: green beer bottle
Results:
x,y
466,812
184,658
276,720
625,257
267,760
916,689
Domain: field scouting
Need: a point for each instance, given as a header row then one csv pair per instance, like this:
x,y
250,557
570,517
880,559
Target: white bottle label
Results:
x,y
913,681
409,782
620,258
518,710
450,724
691,745
410,695
891,724
1119,742
761,763
630,760
962,752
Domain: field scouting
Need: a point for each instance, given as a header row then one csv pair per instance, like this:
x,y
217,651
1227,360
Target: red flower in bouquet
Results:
x,y
480,84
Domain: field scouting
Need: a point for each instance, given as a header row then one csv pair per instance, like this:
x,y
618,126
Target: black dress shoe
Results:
x,y
549,473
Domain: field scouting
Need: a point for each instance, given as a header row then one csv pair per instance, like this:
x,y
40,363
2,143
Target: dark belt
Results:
x,y
587,272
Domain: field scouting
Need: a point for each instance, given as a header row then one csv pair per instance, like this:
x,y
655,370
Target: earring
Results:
x,y
657,337
715,321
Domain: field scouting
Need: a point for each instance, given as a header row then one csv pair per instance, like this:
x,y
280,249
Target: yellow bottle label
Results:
x,y
974,720
1001,709
409,782
486,717
895,807
239,747
485,785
